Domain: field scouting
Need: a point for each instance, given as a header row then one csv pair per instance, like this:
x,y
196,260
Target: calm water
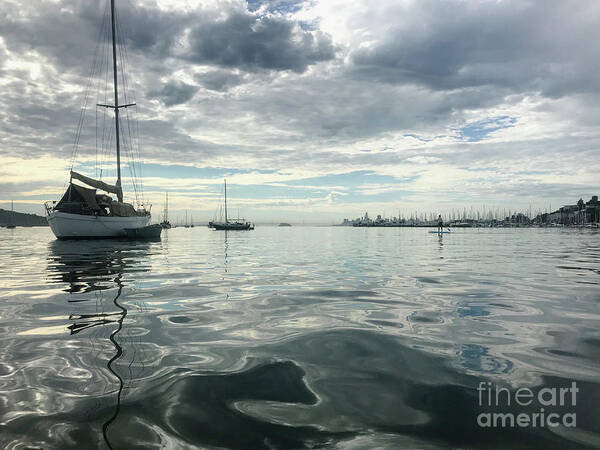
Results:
x,y
295,337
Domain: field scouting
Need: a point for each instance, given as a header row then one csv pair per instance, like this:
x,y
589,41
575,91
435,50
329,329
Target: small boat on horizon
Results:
x,y
165,224
188,225
11,224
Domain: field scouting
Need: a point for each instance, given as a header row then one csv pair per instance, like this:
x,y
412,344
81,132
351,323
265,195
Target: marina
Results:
x,y
583,214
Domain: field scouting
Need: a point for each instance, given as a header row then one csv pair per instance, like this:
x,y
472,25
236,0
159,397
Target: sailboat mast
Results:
x,y
166,215
114,51
225,200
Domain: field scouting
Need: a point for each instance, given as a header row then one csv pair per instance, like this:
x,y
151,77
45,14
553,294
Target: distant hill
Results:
x,y
22,219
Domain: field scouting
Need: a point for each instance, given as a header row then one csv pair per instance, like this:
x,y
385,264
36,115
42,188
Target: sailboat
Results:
x,y
81,212
165,223
11,224
235,224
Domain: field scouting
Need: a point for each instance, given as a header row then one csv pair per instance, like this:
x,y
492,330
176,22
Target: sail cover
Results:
x,y
120,209
113,189
76,196
79,194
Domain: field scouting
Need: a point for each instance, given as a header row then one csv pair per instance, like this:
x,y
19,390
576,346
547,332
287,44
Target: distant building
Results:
x,y
578,214
592,210
567,215
520,219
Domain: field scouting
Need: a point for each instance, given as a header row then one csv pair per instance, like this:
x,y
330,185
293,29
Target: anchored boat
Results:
x,y
82,212
234,224
11,224
165,223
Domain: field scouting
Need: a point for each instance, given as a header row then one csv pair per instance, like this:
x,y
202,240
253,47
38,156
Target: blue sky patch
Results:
x,y
276,6
479,130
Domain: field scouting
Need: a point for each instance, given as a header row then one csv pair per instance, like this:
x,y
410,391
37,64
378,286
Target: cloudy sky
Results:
x,y
314,110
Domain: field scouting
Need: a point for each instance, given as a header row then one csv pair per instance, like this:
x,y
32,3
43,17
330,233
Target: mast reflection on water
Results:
x,y
92,271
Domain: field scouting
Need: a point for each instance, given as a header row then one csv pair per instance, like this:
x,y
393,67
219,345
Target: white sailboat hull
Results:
x,y
77,226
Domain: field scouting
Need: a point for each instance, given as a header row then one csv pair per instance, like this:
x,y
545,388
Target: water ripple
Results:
x,y
293,338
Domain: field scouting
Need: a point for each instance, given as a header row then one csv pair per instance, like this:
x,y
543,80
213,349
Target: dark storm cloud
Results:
x,y
66,34
544,46
219,80
252,43
229,36
41,114
152,31
174,93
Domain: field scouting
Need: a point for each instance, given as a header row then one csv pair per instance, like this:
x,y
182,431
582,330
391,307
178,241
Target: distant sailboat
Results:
x,y
81,213
235,224
165,223
11,224
219,215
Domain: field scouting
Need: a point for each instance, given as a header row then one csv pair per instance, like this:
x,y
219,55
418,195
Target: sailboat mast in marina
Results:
x,y
11,224
81,212
165,223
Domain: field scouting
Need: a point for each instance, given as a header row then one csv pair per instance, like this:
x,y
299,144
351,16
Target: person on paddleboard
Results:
x,y
440,223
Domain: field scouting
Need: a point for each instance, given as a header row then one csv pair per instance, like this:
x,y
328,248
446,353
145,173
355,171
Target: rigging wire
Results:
x,y
130,139
105,129
87,94
103,97
101,93
104,140
96,146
